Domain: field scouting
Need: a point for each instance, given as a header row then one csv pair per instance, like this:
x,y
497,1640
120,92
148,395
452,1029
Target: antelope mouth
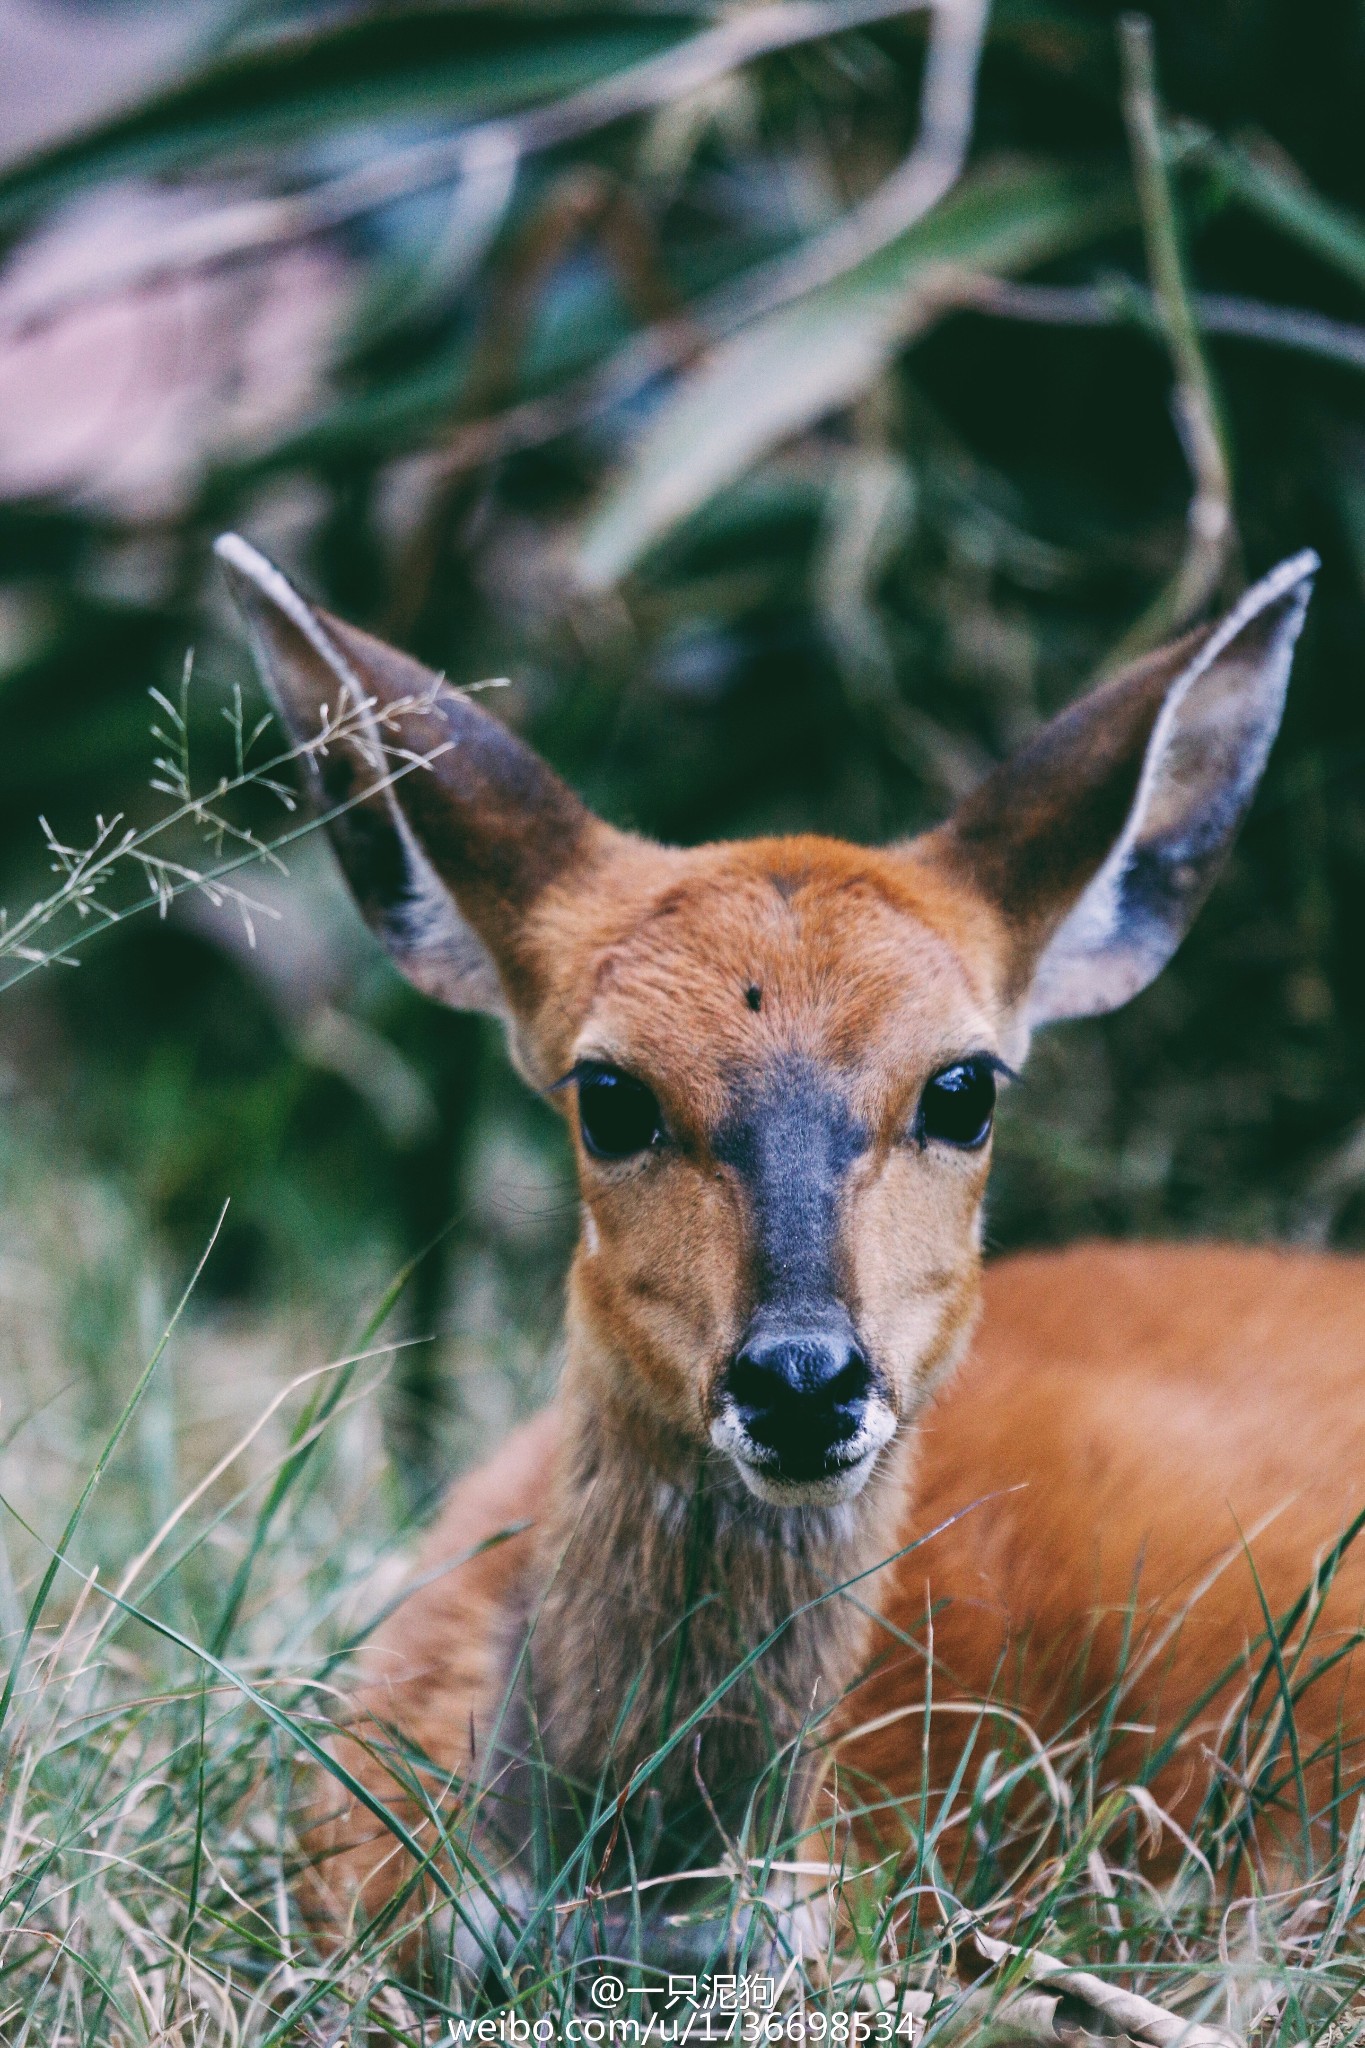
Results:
x,y
818,1474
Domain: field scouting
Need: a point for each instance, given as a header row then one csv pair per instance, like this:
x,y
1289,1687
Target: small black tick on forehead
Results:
x,y
753,996
791,1139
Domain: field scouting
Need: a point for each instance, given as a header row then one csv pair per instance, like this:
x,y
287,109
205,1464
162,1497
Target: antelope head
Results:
x,y
778,1058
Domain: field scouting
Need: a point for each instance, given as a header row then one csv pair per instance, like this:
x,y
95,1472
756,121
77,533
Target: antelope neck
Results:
x,y
656,1592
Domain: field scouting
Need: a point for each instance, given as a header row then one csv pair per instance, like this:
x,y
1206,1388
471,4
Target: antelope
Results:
x,y
796,1416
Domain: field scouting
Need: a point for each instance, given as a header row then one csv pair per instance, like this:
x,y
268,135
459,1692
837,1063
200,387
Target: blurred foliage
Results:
x,y
766,542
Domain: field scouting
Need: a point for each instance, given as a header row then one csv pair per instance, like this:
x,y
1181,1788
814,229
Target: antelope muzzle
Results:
x,y
801,1413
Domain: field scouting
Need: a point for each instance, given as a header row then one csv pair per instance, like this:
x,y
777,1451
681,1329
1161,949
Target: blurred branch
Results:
x,y
799,363
925,176
248,228
537,421
869,510
1210,534
1119,302
584,201
933,167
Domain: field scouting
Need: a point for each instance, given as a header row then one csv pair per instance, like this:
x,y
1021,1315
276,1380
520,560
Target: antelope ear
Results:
x,y
448,828
1099,842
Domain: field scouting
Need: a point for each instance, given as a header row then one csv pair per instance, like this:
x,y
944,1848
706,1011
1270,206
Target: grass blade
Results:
x,y
111,1444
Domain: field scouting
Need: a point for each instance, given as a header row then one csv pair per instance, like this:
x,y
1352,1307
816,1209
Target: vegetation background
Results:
x,y
915,551
792,458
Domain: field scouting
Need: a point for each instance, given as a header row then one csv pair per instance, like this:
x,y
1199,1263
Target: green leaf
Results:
x,y
1286,200
793,366
420,64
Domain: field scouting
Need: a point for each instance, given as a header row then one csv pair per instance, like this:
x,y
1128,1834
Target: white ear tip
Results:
x,y
240,555
1292,579
247,565
250,566
1294,575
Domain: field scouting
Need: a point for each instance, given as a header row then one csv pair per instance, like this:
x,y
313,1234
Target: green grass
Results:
x,y
202,1524
832,621
183,1582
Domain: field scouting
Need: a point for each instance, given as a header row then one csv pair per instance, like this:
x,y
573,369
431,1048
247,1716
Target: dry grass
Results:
x,y
175,1678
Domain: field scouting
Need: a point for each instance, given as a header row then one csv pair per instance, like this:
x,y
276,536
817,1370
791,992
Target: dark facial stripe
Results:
x,y
791,1138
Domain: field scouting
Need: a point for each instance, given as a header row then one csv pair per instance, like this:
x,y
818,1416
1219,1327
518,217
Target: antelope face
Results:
x,y
779,1058
782,1092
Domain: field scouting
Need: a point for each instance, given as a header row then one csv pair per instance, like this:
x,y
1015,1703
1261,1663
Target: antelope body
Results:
x,y
787,1432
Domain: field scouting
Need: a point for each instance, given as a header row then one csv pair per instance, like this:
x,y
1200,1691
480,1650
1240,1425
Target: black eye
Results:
x,y
958,1104
617,1115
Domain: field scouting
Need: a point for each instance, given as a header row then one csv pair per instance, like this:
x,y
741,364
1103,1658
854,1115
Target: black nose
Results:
x,y
800,1394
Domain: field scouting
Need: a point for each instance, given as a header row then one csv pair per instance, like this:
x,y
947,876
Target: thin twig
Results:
x,y
1120,302
1210,535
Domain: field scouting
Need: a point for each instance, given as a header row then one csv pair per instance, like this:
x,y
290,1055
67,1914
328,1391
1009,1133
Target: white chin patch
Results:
x,y
729,1435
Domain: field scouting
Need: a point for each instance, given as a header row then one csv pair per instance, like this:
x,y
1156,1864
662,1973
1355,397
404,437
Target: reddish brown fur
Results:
x,y
1108,1383
1125,1414
852,954
1139,1424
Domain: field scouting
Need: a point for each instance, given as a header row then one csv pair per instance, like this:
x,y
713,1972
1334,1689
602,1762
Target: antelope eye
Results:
x,y
617,1114
958,1105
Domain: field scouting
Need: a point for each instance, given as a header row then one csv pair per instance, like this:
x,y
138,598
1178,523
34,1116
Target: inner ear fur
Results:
x,y
1097,844
449,829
